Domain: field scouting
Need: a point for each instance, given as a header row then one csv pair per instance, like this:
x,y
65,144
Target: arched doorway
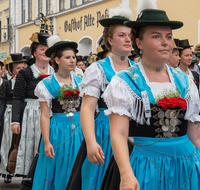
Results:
x,y
100,41
85,46
25,50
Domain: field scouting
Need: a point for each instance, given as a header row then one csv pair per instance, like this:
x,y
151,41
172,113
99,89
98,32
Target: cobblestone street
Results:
x,y
14,185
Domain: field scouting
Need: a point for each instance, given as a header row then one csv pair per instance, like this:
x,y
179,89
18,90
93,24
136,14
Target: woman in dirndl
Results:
x,y
25,105
95,152
164,102
186,61
15,63
61,133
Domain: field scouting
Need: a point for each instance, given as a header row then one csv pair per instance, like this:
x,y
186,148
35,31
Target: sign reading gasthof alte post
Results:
x,y
3,55
84,21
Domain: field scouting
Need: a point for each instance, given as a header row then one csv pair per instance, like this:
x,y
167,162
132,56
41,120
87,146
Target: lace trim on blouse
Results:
x,y
121,100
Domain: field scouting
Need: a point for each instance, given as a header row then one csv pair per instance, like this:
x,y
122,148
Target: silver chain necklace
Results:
x,y
185,69
41,67
63,76
122,58
158,69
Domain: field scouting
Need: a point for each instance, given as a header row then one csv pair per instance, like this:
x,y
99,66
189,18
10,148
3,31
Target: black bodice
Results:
x,y
57,108
101,103
155,129
24,88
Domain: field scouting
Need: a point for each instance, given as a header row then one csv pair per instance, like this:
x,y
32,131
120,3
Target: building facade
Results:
x,y
4,29
77,20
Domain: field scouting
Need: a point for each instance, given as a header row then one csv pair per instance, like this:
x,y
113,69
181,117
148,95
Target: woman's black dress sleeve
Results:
x,y
19,95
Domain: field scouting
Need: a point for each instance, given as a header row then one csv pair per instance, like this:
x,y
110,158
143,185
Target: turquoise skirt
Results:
x,y
168,163
92,174
53,174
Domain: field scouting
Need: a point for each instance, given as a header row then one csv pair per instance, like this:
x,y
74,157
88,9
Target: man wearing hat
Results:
x,y
15,64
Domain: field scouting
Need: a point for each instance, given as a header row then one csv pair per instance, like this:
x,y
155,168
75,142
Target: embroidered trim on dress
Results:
x,y
104,81
137,110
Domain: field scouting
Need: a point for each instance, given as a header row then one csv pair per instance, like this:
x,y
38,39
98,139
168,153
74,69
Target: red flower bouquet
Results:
x,y
68,93
43,76
68,98
172,102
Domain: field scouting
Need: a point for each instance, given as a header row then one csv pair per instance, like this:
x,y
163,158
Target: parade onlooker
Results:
x,y
61,133
25,106
186,60
77,71
175,58
165,153
80,62
15,62
95,152
197,54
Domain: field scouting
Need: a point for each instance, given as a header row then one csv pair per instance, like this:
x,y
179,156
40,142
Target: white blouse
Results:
x,y
94,80
36,72
44,95
120,98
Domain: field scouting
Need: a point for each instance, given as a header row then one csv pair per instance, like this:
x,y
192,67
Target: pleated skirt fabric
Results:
x,y
92,174
167,163
53,174
6,139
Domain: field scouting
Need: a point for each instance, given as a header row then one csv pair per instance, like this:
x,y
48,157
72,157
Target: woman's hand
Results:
x,y
15,128
129,182
95,153
49,151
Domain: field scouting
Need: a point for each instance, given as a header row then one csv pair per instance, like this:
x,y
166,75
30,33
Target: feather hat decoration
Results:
x,y
122,11
52,40
145,4
54,43
117,16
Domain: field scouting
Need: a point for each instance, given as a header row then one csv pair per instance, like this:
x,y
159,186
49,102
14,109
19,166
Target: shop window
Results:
x,y
40,6
8,28
48,7
29,10
73,3
61,5
23,11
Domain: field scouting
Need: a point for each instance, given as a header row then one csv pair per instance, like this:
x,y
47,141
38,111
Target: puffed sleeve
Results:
x,y
43,94
92,81
193,103
118,97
